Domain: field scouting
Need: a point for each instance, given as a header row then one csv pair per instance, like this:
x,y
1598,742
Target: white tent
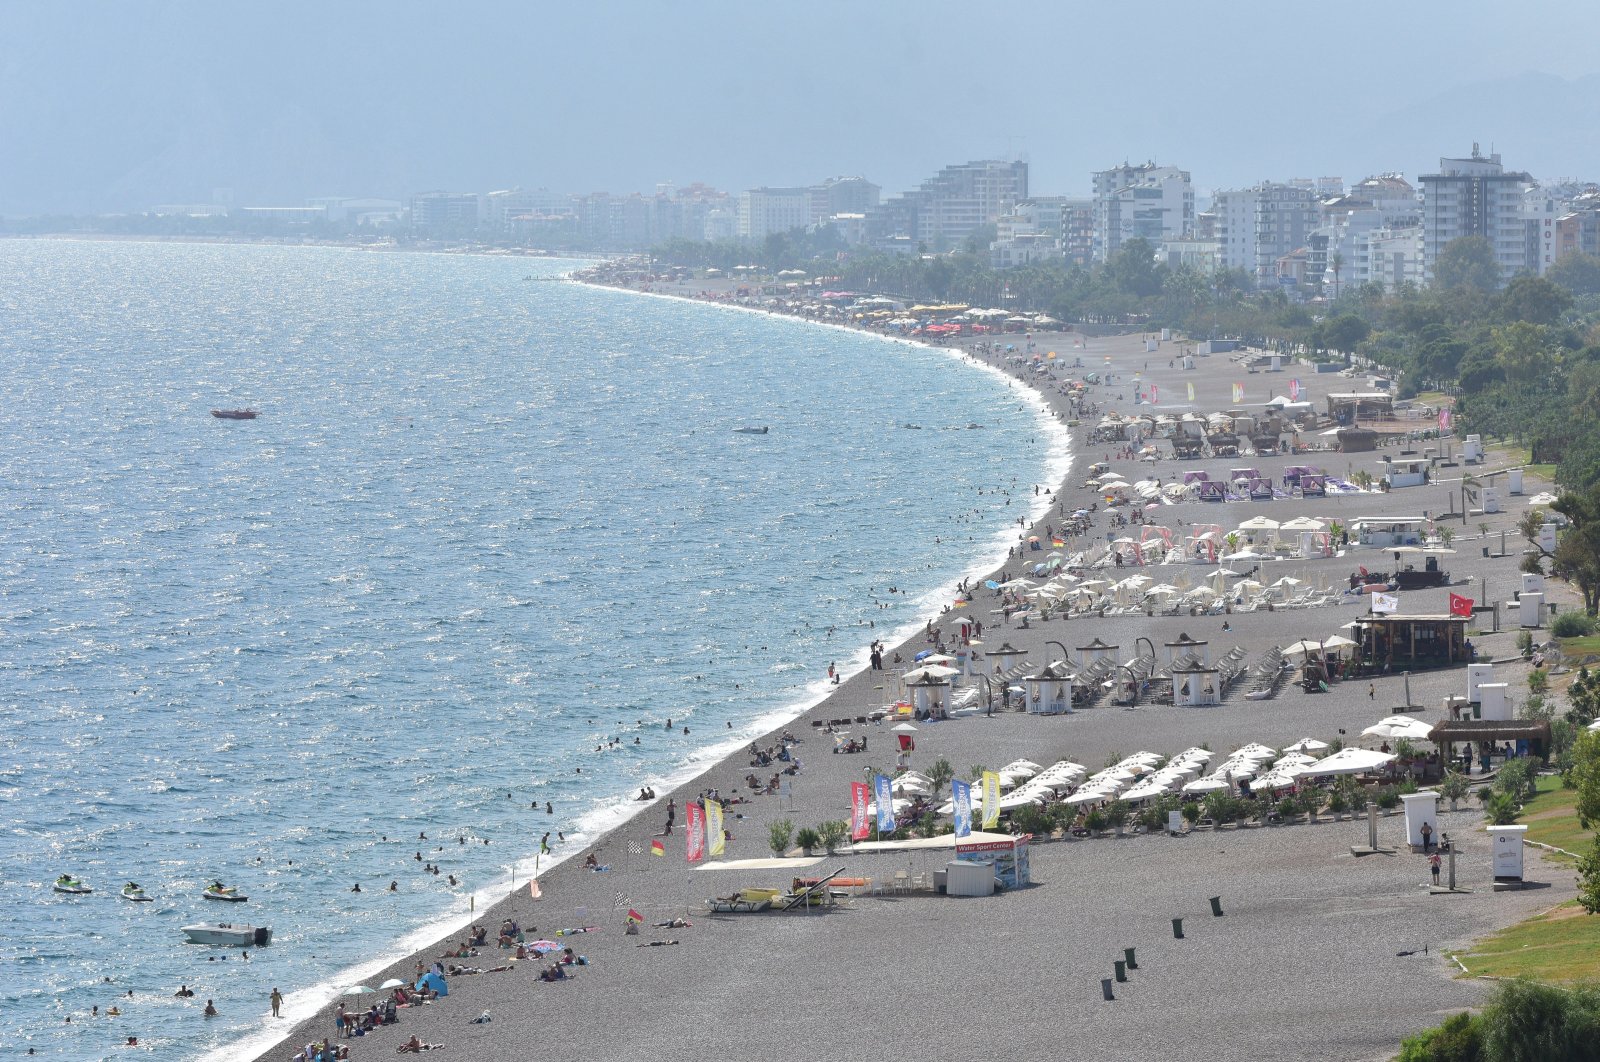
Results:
x,y
1347,761
1399,726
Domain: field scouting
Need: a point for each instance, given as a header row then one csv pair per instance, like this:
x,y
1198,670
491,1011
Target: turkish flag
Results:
x,y
1460,606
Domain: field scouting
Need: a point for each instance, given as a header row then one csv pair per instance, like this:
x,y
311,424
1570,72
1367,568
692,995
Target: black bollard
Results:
x,y
1105,988
1177,928
1129,953
1216,906
1122,970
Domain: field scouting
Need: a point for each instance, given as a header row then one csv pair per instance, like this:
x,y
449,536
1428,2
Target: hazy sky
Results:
x,y
117,105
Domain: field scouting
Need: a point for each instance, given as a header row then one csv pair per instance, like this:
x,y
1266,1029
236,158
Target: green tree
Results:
x,y
1584,776
1589,878
1523,351
1526,1021
939,775
1534,300
1133,269
1467,262
1577,273
1344,333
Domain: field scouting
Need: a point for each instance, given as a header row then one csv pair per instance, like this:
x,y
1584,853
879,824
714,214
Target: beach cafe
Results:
x,y
1387,642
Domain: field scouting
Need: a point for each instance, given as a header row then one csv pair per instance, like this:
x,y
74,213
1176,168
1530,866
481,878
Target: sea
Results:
x,y
491,531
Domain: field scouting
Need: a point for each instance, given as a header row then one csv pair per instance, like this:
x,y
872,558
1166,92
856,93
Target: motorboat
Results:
x,y
228,935
71,886
752,431
135,892
226,893
235,414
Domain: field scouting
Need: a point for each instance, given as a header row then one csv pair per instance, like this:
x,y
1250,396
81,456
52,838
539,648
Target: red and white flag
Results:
x,y
860,826
1460,606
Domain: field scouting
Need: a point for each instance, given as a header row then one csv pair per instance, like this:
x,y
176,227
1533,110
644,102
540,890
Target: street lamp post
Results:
x,y
1066,657
988,694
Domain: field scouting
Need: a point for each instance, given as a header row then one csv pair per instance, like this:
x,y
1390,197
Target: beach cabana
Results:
x,y
1388,641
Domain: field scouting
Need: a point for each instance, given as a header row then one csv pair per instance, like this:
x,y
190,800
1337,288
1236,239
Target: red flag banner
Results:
x,y
860,827
695,834
1460,606
657,848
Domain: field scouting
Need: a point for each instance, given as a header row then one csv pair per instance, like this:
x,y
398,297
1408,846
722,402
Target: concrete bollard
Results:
x,y
1177,928
1129,953
1122,970
1216,906
1105,988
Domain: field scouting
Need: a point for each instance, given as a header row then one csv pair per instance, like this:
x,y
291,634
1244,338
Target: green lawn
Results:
x,y
1578,648
1563,944
1551,818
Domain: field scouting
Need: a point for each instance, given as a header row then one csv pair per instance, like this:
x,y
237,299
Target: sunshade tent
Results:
x,y
1205,785
1307,744
1347,761
1399,726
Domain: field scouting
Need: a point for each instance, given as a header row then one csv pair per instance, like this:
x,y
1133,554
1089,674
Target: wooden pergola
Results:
x,y
1386,642
1536,732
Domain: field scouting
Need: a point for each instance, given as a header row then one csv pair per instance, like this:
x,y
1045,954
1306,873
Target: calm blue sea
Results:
x,y
487,521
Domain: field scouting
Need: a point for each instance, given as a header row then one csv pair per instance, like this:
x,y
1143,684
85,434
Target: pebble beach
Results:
x,y
1317,954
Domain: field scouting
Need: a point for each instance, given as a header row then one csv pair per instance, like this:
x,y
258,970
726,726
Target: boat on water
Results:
x,y
752,431
228,935
135,892
71,886
226,893
235,414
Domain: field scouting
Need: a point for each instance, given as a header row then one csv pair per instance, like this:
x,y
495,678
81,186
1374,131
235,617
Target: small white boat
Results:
x,y
133,891
71,886
228,935
226,893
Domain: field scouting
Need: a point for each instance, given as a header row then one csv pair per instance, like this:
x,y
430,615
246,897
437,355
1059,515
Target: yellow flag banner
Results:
x,y
1191,391
991,800
715,842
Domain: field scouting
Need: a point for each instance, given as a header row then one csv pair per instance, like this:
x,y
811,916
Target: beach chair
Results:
x,y
902,881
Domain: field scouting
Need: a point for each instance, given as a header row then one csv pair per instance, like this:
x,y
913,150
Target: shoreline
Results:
x,y
305,1004
726,954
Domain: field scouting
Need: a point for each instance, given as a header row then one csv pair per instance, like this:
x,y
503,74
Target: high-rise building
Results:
x,y
842,195
1044,228
1147,201
949,206
1475,196
1257,227
444,212
764,211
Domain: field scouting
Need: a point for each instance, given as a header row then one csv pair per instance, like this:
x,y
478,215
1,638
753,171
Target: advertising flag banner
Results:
x,y
1294,390
1382,603
991,800
658,848
694,834
1460,606
1444,418
1191,391
860,827
716,844
961,799
883,790
1238,392
1154,401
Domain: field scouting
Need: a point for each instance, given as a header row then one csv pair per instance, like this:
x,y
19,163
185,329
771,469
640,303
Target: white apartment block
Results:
x,y
1475,196
1257,226
1147,201
1388,257
764,211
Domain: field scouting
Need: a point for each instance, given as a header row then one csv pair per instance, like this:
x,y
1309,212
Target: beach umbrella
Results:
x,y
1302,523
1399,726
1307,744
903,728
1259,523
1205,785
544,945
393,982
1347,761
1293,759
357,990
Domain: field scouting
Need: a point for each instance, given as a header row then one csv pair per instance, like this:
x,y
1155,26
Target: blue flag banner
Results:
x,y
961,798
883,790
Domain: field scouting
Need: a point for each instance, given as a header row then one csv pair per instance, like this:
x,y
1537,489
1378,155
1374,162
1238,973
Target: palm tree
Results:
x,y
1338,264
939,775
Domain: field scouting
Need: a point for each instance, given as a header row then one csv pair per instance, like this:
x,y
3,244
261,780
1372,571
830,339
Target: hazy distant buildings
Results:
x,y
1044,228
441,213
1475,196
1147,202
949,206
842,195
1339,255
764,211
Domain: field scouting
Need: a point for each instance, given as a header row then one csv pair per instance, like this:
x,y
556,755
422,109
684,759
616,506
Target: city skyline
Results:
x,y
113,108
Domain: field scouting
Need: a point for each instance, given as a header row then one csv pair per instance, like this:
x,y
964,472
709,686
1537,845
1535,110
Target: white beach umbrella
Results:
x,y
1302,523
1347,761
1259,523
1399,726
1205,785
1307,744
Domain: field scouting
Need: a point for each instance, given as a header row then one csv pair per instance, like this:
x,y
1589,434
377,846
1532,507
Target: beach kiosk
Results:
x,y
1050,691
1421,808
1505,847
1009,855
1390,643
1196,686
930,697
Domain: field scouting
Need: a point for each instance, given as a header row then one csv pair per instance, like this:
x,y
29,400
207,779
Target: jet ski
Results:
x,y
71,886
133,891
227,893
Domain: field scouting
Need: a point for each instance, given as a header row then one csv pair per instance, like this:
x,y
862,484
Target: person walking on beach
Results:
x,y
277,1002
1372,691
1433,867
1427,837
